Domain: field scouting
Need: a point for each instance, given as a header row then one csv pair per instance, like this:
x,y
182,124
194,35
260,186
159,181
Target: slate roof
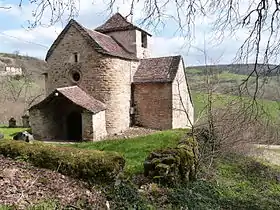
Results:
x,y
77,96
100,42
117,23
162,69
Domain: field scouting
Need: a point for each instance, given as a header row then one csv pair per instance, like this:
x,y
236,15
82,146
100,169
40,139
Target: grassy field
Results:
x,y
135,150
268,109
234,182
10,132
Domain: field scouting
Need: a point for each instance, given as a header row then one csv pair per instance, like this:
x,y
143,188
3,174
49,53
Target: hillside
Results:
x,y
226,79
243,69
32,66
17,93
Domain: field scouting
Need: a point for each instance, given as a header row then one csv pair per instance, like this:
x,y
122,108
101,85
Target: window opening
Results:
x,y
144,39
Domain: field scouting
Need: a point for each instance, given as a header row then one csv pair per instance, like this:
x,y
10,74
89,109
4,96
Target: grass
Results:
x,y
135,150
234,182
237,182
268,109
10,132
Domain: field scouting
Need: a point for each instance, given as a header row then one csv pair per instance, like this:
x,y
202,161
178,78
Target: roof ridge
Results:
x,y
117,22
85,32
160,57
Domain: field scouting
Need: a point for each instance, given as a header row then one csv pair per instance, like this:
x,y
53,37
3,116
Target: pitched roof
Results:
x,y
162,69
77,96
100,42
117,23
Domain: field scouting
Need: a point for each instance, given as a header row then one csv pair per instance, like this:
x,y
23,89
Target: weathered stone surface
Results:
x,y
174,165
153,103
25,121
182,105
12,123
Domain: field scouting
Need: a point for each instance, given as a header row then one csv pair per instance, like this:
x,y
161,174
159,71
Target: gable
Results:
x,y
182,77
99,42
77,96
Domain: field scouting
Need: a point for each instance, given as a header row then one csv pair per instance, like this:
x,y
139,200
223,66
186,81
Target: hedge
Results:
x,y
90,165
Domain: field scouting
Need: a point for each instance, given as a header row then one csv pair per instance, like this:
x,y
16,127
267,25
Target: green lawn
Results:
x,y
10,132
135,150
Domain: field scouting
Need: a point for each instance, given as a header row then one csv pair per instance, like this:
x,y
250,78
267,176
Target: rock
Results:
x,y
23,136
12,123
1,136
174,165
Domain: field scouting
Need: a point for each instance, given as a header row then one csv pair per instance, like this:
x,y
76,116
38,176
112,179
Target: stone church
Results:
x,y
103,81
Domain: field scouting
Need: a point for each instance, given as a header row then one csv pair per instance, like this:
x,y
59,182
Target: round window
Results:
x,y
76,76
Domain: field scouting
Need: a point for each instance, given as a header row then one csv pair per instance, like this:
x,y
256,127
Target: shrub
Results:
x,y
125,195
90,165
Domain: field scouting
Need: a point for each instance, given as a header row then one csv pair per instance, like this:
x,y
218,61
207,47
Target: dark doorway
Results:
x,y
74,126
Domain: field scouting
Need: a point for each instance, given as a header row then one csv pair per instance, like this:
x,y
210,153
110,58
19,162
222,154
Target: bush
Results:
x,y
90,165
125,195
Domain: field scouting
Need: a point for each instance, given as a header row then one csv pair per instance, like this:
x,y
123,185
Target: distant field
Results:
x,y
267,108
227,82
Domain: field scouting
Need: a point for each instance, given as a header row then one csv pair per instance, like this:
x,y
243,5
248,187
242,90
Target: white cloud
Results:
x,y
93,13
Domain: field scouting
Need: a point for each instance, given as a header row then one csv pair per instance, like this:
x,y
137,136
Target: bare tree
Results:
x,y
260,19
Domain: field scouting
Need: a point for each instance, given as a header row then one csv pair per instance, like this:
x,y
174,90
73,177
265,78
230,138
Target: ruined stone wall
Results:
x,y
182,108
153,105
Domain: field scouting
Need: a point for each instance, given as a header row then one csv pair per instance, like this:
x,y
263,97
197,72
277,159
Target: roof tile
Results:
x,y
117,23
102,43
162,69
77,96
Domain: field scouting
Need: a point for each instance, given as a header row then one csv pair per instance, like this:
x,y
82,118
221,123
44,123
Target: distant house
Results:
x,y
11,71
104,81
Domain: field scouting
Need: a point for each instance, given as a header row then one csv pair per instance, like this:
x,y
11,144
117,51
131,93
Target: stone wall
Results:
x,y
153,104
49,122
126,39
182,111
142,52
132,41
87,128
61,61
99,126
117,88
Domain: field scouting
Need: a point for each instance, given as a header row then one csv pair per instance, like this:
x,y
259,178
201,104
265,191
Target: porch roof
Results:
x,y
75,95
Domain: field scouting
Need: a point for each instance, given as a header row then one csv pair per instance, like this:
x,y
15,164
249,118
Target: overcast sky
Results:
x,y
35,42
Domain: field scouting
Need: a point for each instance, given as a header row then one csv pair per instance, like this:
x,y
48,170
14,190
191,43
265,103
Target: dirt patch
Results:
x,y
23,185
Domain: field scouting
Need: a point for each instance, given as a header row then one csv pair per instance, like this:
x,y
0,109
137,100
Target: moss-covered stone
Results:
x,y
173,165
